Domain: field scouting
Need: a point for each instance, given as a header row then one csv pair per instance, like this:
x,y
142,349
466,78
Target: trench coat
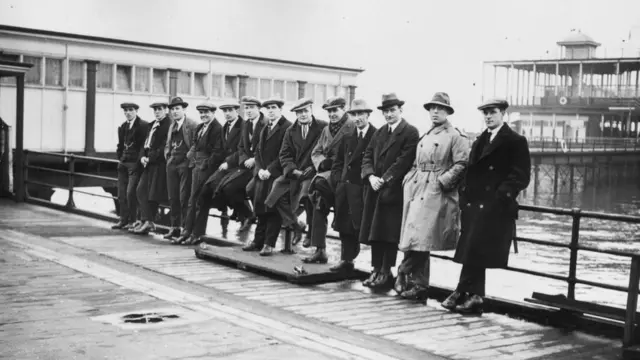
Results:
x,y
430,213
496,174
188,131
157,167
390,157
295,154
267,157
327,146
347,181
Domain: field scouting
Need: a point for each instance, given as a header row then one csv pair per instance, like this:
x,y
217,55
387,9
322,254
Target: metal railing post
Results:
x,y
632,303
72,168
573,247
288,242
24,187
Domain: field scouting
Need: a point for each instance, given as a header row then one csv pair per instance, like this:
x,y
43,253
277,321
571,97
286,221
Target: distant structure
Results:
x,y
574,97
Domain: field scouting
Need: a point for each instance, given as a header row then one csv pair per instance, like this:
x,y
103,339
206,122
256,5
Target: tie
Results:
x,y
360,134
304,131
202,131
390,131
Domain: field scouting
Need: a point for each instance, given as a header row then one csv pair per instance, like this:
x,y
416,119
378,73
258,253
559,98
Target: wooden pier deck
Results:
x,y
345,309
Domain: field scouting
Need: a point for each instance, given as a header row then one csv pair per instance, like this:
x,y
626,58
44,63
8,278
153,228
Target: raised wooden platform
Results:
x,y
278,265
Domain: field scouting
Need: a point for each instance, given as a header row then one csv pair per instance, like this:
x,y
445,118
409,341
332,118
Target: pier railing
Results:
x,y
626,316
583,145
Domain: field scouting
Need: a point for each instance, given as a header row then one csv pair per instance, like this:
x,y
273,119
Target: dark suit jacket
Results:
x,y
133,139
230,142
156,147
247,145
295,153
188,131
209,143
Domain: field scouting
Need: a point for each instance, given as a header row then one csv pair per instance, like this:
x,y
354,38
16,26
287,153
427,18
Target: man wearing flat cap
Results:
x,y
266,170
152,189
291,189
231,190
207,154
348,184
179,142
131,136
499,169
320,190
387,159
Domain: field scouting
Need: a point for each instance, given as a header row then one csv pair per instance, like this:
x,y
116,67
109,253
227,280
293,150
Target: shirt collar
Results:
x,y
495,130
394,126
231,124
180,122
363,131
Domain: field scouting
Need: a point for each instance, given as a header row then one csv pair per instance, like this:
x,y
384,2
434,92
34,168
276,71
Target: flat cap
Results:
x,y
250,100
301,104
206,106
129,105
334,102
497,103
230,104
159,104
273,101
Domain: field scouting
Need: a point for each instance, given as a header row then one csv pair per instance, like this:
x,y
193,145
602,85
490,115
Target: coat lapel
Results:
x,y
391,139
358,150
255,138
347,128
497,141
185,133
275,128
235,130
312,135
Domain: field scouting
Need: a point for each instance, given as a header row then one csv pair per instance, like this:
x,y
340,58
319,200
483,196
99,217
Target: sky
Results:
x,y
414,48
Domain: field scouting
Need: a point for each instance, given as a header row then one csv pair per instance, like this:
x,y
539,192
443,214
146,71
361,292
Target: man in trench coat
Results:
x,y
348,184
266,170
152,189
320,190
499,168
291,189
387,159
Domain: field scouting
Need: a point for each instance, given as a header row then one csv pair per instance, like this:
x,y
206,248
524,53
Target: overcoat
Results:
x,y
497,172
295,154
430,214
189,133
327,147
230,148
157,166
347,181
267,155
390,157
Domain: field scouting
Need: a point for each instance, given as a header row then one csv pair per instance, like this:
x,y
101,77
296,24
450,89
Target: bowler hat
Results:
x,y
359,105
230,104
301,104
178,101
389,100
159,104
129,105
440,99
334,102
272,101
250,100
497,103
206,106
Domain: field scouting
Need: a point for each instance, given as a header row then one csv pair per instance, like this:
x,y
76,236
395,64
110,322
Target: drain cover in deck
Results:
x,y
152,318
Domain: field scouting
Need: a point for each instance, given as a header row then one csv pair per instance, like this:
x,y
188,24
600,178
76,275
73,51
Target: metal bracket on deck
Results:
x,y
288,246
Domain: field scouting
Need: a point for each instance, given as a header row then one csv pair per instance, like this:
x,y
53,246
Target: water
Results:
x,y
610,188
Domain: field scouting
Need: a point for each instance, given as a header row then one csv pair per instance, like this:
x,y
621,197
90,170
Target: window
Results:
x,y
143,76
9,57
309,91
321,94
104,76
123,78
216,86
76,74
292,90
278,88
230,86
331,91
265,88
34,75
200,80
252,87
184,83
160,81
53,72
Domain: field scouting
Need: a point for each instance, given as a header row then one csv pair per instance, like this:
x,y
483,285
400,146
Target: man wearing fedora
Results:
x,y
231,190
131,136
348,184
207,154
291,189
320,190
152,189
499,168
266,170
387,159
179,142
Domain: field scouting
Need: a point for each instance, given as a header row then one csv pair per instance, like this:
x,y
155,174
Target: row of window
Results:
x,y
126,78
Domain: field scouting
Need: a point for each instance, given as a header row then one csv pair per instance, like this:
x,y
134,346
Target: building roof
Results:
x,y
12,68
578,38
22,30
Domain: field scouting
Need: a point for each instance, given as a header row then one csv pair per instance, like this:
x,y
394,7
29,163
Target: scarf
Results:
x,y
335,127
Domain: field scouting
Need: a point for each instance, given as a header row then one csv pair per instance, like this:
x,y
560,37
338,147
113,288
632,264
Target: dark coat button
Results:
x,y
490,167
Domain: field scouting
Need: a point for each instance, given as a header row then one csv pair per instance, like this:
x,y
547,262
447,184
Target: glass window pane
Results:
x,y
123,78
265,88
184,83
321,94
142,79
104,76
230,87
53,72
216,86
159,81
76,74
200,80
309,91
34,75
292,90
252,87
278,89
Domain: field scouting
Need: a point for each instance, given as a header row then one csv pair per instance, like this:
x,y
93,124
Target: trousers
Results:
x,y
350,247
472,280
322,200
268,229
128,177
179,191
383,255
416,264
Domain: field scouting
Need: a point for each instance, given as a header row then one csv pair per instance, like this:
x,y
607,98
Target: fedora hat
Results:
x,y
178,101
501,104
334,102
301,104
389,100
359,105
440,99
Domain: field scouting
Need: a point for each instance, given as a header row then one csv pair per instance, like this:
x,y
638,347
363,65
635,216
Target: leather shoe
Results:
x,y
401,283
473,305
319,257
307,242
342,266
417,292
145,228
383,282
120,225
173,232
252,246
453,300
266,251
371,279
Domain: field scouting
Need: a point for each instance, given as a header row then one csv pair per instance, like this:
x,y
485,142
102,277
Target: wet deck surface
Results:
x,y
349,310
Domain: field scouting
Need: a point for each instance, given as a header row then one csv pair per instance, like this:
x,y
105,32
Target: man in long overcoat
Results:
x,y
131,136
152,189
231,190
291,189
387,159
499,168
348,184
179,142
207,154
320,191
266,170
